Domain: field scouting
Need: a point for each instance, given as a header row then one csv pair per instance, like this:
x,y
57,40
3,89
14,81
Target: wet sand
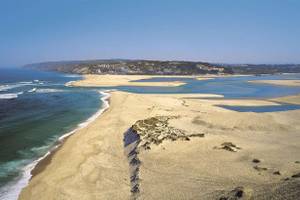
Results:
x,y
180,146
294,99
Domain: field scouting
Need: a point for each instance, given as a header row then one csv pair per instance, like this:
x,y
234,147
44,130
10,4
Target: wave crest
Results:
x,y
9,96
49,90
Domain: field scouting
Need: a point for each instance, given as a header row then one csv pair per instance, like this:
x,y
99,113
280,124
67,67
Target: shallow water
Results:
x,y
262,109
230,87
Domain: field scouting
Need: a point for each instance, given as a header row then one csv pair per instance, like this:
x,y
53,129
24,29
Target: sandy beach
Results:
x,y
292,83
91,80
294,99
150,146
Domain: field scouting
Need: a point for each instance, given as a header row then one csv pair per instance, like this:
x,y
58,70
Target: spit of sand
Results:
x,y
182,147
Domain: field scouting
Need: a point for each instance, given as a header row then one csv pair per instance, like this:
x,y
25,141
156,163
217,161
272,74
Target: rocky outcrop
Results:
x,y
296,175
155,130
143,134
241,193
229,146
131,141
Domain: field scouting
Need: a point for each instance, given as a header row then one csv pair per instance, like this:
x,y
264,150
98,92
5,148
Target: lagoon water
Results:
x,y
230,87
36,108
262,109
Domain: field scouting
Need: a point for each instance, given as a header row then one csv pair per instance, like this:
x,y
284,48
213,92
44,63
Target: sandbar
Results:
x,y
292,83
122,80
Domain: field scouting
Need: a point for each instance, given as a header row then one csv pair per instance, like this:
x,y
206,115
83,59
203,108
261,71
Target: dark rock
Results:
x,y
147,148
132,153
135,161
296,175
135,189
134,178
277,173
239,193
260,168
255,160
235,194
229,146
197,135
186,138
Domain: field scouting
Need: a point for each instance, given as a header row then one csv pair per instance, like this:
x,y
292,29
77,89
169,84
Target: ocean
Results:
x,y
36,109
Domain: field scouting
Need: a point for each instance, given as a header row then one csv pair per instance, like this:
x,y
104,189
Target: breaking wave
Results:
x,y
10,95
48,90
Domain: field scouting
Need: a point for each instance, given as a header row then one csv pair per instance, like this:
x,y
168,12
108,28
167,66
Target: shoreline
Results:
x,y
13,190
282,82
92,80
115,80
42,164
98,168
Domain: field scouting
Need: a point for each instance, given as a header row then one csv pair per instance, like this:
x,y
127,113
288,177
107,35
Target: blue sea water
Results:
x,y
36,108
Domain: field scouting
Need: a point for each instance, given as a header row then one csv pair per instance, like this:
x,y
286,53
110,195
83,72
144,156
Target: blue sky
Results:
x,y
232,31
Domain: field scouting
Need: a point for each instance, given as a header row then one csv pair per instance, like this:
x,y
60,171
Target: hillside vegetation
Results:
x,y
154,67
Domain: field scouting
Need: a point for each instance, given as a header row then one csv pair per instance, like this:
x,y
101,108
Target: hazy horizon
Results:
x,y
228,63
248,32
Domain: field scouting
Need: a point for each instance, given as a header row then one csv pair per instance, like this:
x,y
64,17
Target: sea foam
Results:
x,y
48,90
10,95
4,88
7,87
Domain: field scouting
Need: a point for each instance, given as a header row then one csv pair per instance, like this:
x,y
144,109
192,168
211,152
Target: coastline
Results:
x,y
36,166
45,160
94,162
98,167
94,80
50,156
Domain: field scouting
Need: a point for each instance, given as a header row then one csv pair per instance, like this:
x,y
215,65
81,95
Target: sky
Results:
x,y
223,31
